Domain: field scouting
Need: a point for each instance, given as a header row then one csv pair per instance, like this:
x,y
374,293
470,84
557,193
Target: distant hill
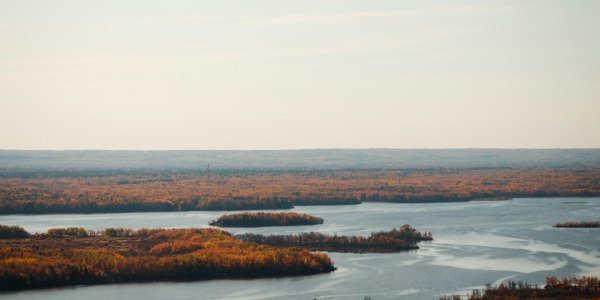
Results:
x,y
300,159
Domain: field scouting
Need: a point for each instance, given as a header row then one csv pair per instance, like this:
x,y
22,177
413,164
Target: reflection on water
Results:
x,y
475,243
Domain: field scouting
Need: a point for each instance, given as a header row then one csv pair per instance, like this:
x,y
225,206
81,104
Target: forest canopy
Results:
x,y
74,256
402,239
261,219
262,190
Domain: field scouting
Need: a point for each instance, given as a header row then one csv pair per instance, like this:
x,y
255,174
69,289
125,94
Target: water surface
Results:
x,y
475,243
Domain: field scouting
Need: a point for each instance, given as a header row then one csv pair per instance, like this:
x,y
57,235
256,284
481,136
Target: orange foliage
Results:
x,y
250,219
148,254
282,190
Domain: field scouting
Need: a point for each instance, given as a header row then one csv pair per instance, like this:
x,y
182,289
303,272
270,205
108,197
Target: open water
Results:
x,y
474,243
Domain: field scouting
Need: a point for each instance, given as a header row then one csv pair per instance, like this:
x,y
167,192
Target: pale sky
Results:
x,y
292,74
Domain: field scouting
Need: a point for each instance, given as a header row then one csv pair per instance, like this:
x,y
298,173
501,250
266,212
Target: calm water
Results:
x,y
475,243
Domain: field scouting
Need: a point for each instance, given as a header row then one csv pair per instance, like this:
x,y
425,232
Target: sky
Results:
x,y
297,74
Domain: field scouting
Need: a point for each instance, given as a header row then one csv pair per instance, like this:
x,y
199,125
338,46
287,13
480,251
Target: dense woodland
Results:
x,y
403,239
580,224
280,190
585,287
74,256
261,219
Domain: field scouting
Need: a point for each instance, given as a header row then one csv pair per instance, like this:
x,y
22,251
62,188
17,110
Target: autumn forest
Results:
x,y
89,192
78,256
74,256
261,219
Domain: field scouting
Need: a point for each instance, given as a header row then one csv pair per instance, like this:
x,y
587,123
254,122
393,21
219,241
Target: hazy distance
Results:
x,y
28,163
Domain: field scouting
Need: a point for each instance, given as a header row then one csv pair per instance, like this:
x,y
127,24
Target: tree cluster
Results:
x,y
71,257
12,232
261,219
580,224
402,239
585,287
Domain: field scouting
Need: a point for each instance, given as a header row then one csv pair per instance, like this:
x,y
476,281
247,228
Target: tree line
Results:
x,y
284,190
584,287
403,239
578,224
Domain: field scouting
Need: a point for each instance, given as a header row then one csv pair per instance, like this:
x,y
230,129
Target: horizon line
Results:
x,y
310,149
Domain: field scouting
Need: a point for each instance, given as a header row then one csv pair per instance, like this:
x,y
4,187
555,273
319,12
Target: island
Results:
x,y
75,256
403,239
262,219
578,224
584,287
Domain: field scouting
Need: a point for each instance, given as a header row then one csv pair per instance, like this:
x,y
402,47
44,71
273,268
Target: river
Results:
x,y
474,243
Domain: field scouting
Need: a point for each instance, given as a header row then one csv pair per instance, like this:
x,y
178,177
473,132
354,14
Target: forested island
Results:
x,y
578,224
102,191
403,239
584,287
262,219
75,256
